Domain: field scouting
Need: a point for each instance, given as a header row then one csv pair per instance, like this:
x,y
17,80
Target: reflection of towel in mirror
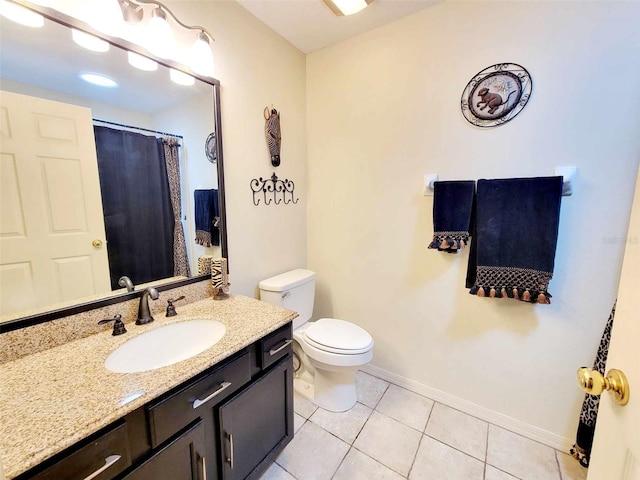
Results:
x,y
452,214
206,215
514,240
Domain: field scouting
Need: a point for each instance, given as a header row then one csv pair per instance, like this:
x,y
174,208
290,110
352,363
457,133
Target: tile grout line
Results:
x,y
380,463
486,454
558,464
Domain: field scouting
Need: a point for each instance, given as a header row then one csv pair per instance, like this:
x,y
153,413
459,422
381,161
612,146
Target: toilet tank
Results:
x,y
294,290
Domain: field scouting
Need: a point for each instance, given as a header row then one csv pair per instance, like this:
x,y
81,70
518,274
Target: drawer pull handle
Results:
x,y
110,460
272,352
204,468
230,458
224,385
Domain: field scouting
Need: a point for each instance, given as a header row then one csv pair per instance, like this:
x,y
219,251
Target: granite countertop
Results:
x,y
54,398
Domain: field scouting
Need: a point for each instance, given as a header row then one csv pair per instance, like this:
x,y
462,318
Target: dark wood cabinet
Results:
x,y
101,457
226,423
257,422
182,458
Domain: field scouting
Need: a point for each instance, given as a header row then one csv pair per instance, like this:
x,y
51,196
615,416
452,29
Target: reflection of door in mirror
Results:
x,y
52,238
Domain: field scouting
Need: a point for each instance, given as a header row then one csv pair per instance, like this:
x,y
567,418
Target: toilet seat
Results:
x,y
338,336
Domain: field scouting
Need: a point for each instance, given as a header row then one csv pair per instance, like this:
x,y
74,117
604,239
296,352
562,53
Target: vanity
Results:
x,y
222,414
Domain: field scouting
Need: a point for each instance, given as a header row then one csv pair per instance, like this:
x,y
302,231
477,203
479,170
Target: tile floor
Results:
x,y
395,434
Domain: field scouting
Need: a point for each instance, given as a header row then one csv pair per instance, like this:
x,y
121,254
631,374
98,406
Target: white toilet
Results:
x,y
329,351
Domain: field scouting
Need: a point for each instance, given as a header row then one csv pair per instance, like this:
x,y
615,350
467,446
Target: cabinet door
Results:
x,y
257,423
181,459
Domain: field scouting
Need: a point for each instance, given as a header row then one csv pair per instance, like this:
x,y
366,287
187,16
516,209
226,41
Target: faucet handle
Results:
x,y
171,310
118,324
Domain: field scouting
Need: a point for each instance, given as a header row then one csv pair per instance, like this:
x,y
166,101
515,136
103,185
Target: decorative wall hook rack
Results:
x,y
273,190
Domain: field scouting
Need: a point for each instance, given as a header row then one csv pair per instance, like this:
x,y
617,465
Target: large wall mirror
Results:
x,y
88,173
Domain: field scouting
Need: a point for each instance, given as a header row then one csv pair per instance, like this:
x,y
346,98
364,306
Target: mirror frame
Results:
x,y
71,22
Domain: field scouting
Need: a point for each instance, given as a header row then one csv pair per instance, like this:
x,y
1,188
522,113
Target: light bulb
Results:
x,y
181,78
90,42
19,14
142,63
160,40
103,15
201,60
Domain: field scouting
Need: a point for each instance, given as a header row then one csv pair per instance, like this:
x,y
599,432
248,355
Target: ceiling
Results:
x,y
309,24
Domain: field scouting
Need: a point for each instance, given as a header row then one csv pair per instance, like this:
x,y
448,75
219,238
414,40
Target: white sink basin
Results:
x,y
165,346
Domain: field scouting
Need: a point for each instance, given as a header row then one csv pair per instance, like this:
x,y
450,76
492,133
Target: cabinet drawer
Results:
x,y
275,346
174,411
102,459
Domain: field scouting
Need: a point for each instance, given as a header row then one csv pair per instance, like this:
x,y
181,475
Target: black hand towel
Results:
x,y
514,243
452,214
207,215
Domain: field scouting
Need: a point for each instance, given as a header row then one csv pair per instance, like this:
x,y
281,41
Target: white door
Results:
x,y
50,205
616,445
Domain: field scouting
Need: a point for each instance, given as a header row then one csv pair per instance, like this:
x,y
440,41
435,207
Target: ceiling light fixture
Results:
x,y
161,41
19,14
346,7
98,79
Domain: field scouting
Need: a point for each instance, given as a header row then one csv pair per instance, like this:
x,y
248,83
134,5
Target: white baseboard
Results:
x,y
534,433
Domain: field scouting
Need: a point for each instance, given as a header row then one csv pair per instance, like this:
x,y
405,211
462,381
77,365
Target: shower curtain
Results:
x,y
180,260
136,201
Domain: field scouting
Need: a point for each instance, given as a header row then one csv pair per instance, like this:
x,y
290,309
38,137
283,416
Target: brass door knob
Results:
x,y
97,243
594,383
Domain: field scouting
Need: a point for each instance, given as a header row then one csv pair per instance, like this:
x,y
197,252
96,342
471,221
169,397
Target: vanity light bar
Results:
x,y
161,42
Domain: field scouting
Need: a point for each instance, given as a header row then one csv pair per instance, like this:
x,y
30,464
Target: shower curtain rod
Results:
x,y
138,128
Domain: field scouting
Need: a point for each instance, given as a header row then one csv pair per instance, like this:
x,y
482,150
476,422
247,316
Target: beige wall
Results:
x,y
257,68
383,109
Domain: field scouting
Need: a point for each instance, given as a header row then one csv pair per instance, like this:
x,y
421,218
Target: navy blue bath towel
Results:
x,y
514,243
452,214
207,216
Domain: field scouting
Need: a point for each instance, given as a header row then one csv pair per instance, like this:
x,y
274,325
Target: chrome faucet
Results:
x,y
144,315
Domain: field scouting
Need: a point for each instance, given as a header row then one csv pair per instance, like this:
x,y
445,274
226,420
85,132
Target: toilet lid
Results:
x,y
338,336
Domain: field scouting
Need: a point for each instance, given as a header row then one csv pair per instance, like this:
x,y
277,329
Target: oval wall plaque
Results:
x,y
496,94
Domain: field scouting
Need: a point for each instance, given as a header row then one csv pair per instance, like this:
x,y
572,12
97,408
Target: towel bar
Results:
x,y
567,173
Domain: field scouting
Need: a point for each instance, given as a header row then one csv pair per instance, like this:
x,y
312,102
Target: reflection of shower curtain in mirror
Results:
x,y
137,207
180,260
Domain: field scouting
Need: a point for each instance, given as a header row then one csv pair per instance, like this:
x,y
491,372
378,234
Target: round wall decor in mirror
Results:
x,y
496,94
211,148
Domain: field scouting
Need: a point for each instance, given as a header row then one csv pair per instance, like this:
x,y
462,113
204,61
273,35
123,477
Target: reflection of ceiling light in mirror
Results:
x,y
202,56
181,78
142,63
90,42
346,7
100,80
20,14
103,15
160,40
